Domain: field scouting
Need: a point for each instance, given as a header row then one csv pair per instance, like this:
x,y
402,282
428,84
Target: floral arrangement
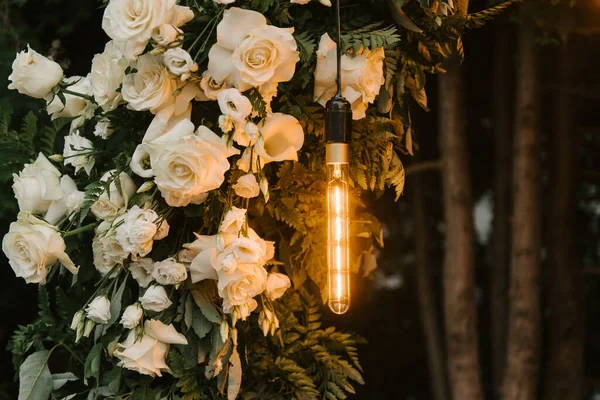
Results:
x,y
178,237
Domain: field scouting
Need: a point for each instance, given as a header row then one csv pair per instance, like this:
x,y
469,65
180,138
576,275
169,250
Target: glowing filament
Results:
x,y
338,259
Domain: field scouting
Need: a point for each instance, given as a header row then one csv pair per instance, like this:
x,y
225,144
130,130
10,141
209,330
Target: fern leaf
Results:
x,y
478,19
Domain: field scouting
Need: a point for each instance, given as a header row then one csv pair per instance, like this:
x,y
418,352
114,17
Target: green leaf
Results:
x,y
115,305
92,363
207,307
145,393
200,324
59,380
35,378
306,45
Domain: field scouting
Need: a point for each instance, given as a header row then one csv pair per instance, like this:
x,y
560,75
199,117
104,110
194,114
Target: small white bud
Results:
x,y
145,187
264,188
78,319
89,326
224,330
56,158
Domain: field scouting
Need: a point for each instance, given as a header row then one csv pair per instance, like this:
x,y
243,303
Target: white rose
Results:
x,y
247,186
362,76
34,75
238,288
68,204
136,229
107,250
32,246
179,61
210,87
99,310
132,316
234,104
233,220
151,87
114,202
103,129
76,152
37,186
277,284
281,139
169,272
191,166
108,72
165,34
268,321
248,250
130,23
147,356
250,53
155,299
141,270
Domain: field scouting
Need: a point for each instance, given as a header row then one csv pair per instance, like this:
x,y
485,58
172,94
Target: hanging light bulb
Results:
x,y
338,122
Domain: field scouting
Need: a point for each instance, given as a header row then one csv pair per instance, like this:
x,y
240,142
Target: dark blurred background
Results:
x,y
399,310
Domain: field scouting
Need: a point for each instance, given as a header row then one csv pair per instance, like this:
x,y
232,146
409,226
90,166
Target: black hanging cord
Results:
x,y
339,50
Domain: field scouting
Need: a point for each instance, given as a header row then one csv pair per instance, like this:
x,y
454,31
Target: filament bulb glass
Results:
x,y
338,255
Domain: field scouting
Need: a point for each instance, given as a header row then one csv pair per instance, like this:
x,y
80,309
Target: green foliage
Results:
x,y
35,378
478,19
306,45
369,37
314,362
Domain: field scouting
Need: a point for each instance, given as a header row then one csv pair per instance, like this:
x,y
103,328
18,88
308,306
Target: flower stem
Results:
x,y
83,96
64,346
84,228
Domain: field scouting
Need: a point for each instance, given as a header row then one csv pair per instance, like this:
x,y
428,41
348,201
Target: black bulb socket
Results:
x,y
338,120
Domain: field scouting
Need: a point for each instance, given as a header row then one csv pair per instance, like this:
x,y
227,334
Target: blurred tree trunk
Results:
x,y
524,314
565,377
459,275
429,310
502,183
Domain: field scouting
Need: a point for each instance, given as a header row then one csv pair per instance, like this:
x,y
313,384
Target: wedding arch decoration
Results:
x,y
172,200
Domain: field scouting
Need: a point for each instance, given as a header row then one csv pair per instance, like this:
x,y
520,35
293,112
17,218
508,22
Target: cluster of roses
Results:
x,y
184,162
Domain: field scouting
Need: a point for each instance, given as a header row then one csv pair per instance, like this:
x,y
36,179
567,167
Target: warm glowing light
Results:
x,y
338,257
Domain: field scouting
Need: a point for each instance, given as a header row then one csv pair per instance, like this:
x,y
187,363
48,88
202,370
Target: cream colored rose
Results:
x,y
233,220
277,284
179,62
130,23
141,270
107,250
32,246
37,186
151,87
74,105
136,230
99,310
281,139
189,167
240,287
362,76
169,272
155,299
250,53
165,34
76,152
147,356
241,311
34,75
113,203
108,72
132,316
246,186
